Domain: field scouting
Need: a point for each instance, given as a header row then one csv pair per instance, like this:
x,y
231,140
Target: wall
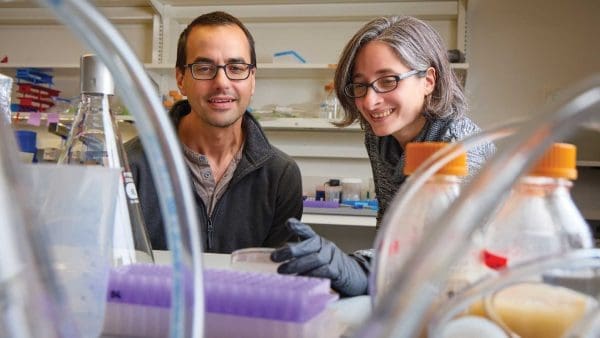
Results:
x,y
522,53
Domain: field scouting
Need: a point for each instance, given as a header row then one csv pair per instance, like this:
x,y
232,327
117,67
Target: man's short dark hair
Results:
x,y
211,19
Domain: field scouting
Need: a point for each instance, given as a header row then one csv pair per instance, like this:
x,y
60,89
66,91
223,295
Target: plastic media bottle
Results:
x,y
539,218
434,197
95,140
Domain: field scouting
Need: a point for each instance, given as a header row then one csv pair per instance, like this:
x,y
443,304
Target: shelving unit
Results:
x,y
316,30
273,22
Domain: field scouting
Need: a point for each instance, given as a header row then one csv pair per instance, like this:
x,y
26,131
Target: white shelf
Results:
x,y
293,123
316,124
308,11
359,221
22,116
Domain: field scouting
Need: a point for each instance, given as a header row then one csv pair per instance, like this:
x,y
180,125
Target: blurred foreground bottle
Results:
x,y
414,221
539,218
94,139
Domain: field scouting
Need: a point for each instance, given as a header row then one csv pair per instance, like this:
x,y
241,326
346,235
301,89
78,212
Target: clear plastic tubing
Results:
x,y
402,313
161,144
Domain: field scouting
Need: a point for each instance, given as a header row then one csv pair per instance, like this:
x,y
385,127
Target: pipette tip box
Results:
x,y
238,304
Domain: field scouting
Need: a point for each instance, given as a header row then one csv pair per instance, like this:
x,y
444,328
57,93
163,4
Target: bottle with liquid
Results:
x,y
429,203
94,139
330,107
539,218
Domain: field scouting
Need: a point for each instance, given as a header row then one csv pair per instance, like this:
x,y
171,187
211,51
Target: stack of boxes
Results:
x,y
34,90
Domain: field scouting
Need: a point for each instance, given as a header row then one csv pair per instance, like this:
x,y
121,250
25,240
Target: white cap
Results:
x,y
94,76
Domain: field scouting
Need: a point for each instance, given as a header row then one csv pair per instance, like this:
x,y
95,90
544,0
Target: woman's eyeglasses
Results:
x,y
383,84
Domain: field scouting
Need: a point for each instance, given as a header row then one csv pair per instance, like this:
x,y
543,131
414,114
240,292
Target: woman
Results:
x,y
394,77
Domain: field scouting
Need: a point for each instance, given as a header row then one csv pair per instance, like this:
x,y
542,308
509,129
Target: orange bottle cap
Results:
x,y
418,152
559,162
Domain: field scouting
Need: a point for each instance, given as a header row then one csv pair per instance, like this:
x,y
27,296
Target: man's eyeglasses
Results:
x,y
208,71
383,84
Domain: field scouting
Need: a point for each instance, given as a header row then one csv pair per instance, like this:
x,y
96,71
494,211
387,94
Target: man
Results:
x,y
245,188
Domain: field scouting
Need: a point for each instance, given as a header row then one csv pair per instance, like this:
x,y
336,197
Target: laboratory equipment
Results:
x,y
31,302
351,189
403,235
253,259
523,305
161,144
260,304
588,327
330,107
94,139
333,191
402,314
539,217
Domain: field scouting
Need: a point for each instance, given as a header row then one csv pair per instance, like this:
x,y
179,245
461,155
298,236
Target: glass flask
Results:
x,y
539,217
94,139
431,200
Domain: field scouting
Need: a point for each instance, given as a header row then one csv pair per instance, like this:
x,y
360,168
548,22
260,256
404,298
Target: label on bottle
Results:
x,y
130,190
493,261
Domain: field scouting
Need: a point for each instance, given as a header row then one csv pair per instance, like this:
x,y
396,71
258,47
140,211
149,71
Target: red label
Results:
x,y
493,261
394,247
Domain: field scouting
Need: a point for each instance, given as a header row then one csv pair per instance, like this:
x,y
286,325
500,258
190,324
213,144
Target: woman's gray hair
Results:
x,y
419,47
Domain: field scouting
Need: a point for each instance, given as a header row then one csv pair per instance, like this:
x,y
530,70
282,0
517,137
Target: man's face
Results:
x,y
219,102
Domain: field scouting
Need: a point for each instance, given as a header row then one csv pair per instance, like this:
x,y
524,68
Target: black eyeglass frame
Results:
x,y
348,89
224,67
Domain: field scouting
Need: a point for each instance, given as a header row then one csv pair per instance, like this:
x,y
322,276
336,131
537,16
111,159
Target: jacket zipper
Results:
x,y
211,230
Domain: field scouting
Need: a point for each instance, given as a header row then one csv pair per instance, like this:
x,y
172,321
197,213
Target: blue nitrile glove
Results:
x,y
317,257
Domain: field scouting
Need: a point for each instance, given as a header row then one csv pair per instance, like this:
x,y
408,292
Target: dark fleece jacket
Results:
x,y
265,190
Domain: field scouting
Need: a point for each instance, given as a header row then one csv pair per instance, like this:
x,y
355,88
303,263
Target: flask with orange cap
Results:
x,y
539,218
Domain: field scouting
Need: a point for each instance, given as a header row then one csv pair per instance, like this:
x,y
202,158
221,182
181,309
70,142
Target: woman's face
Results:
x,y
398,112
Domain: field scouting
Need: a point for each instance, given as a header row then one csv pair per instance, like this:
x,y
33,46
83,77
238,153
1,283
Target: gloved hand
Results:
x,y
317,257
